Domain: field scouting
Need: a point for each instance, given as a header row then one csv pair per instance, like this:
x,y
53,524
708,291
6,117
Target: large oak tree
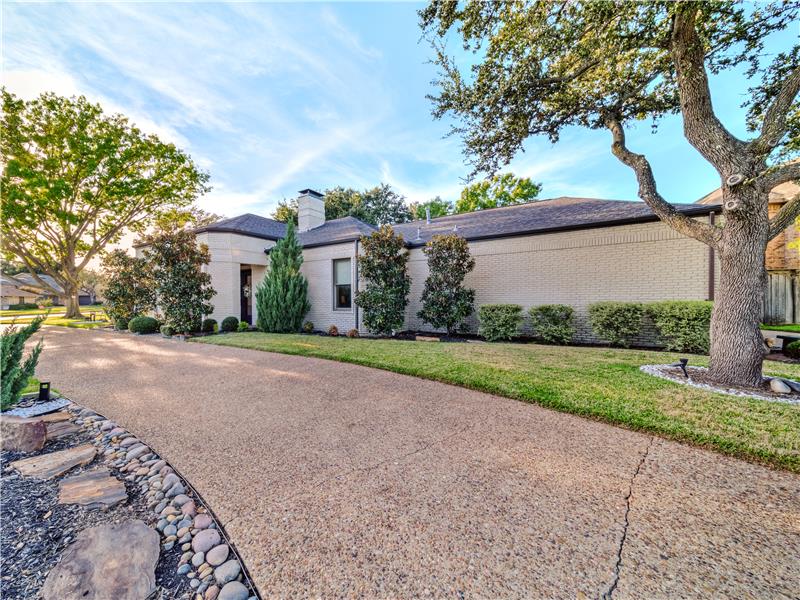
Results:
x,y
541,66
75,179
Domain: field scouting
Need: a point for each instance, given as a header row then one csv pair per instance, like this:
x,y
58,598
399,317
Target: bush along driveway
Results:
x,y
600,383
334,480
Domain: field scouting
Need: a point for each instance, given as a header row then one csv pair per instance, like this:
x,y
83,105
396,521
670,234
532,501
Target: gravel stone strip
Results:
x,y
208,559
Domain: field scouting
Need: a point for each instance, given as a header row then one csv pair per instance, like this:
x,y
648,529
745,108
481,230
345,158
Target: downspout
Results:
x,y
711,266
355,284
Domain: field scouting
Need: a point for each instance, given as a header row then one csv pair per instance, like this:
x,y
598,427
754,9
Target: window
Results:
x,y
342,279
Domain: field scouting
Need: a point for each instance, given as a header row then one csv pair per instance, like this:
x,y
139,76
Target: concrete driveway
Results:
x,y
336,480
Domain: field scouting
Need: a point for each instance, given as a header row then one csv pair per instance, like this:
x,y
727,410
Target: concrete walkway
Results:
x,y
335,480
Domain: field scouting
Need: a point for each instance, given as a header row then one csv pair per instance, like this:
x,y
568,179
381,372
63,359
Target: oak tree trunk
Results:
x,y
72,304
737,346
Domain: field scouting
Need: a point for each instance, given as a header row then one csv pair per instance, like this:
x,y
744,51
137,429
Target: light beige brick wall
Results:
x,y
644,262
318,269
229,252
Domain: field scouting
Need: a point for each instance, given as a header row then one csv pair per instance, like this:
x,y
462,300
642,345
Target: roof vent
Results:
x,y
419,232
455,228
428,215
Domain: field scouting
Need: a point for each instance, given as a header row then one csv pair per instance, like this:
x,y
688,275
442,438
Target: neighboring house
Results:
x,y
782,259
27,283
566,250
12,293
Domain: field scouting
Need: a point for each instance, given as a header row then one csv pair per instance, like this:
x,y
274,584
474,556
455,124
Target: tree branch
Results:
x,y
782,174
785,217
648,191
700,125
774,126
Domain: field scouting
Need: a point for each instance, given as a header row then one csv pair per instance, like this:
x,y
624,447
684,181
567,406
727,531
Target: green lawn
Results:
x,y
599,383
794,328
55,317
55,310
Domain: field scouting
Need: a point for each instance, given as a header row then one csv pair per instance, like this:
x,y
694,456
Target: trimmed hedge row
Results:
x,y
683,325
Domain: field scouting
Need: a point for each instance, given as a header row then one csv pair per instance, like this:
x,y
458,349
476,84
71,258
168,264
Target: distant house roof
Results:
x,y
27,282
544,216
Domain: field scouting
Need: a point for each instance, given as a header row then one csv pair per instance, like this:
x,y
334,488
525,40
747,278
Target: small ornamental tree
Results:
x,y
383,264
282,297
183,290
129,286
15,372
445,302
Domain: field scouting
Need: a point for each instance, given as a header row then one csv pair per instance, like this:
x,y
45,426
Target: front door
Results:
x,y
246,295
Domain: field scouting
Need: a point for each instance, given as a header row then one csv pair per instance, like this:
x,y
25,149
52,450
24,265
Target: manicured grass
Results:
x,y
600,383
54,311
33,386
58,319
794,328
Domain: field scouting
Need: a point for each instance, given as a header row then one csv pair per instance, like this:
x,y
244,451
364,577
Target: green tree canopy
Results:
x,y
535,67
286,211
382,263
75,179
129,286
282,296
436,206
497,190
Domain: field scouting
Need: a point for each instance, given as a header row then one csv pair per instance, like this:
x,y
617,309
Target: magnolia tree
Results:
x,y
75,179
542,66
282,296
446,303
129,287
383,264
183,289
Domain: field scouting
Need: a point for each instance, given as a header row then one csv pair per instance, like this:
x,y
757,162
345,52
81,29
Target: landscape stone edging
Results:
x,y
169,502
658,371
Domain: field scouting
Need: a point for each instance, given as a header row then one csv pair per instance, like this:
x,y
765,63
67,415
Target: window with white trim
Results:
x,y
342,283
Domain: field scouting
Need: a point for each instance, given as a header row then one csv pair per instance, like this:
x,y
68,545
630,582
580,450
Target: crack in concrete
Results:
x,y
625,522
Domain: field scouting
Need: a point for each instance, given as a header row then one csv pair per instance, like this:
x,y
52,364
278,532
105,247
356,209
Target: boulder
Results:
x,y
779,386
109,561
22,435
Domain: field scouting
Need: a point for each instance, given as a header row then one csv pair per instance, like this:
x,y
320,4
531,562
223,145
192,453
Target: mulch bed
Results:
x,y
36,529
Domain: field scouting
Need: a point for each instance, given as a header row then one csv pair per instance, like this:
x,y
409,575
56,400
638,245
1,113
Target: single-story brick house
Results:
x,y
565,250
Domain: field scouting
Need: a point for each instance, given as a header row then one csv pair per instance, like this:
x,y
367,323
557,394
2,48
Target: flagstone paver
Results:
x,y
53,464
337,480
92,489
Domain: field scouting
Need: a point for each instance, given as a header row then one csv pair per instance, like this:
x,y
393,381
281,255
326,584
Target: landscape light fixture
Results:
x,y
682,362
44,391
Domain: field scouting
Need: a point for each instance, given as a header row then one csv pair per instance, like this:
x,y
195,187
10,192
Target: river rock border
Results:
x,y
209,560
666,372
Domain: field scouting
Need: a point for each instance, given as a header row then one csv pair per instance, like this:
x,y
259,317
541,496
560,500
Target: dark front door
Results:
x,y
246,294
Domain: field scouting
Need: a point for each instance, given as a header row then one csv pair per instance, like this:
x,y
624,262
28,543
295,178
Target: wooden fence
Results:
x,y
783,298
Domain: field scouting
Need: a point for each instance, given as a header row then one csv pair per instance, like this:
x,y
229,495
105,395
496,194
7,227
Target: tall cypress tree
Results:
x,y
282,297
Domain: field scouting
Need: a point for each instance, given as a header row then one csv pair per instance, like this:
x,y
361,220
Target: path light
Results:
x,y
44,391
682,362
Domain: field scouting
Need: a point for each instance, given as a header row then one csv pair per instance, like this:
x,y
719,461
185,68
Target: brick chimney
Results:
x,y
310,210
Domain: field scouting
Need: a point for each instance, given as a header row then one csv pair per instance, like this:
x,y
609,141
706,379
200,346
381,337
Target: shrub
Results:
x,y
129,288
183,288
308,327
553,323
445,302
121,323
499,321
229,324
684,325
23,306
353,333
243,326
616,322
383,265
15,373
282,296
333,330
792,349
167,330
143,325
208,326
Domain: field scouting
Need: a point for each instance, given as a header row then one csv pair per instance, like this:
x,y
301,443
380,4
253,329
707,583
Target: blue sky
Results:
x,y
273,98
